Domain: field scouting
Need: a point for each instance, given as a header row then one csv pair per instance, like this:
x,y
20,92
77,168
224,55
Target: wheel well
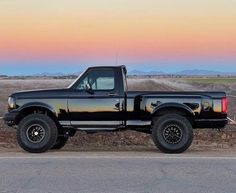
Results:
x,y
39,110
175,110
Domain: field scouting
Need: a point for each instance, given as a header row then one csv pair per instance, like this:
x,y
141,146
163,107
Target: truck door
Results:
x,y
96,100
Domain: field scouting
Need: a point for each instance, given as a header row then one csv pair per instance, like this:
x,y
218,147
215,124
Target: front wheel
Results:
x,y
37,133
172,133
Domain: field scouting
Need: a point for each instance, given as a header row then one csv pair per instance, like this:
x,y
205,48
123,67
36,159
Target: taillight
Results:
x,y
224,105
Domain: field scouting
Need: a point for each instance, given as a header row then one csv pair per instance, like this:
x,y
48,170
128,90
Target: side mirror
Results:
x,y
89,89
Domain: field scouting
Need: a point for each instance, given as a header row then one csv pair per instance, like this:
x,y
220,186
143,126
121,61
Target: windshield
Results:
x,y
76,79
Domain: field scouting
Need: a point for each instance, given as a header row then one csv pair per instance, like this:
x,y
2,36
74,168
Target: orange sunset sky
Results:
x,y
162,35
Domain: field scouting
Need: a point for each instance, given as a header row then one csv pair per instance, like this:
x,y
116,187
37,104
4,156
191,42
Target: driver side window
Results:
x,y
98,80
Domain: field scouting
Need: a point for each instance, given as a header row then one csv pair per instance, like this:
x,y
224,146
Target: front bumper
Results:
x,y
10,118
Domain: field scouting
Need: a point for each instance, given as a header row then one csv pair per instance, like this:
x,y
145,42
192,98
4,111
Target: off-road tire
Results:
x,y
170,121
60,143
24,133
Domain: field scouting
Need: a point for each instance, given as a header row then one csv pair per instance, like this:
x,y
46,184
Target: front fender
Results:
x,y
37,104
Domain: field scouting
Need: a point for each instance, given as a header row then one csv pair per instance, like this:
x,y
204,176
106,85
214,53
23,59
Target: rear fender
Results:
x,y
173,106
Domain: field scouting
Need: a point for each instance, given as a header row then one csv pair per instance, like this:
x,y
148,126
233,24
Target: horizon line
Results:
x,y
139,73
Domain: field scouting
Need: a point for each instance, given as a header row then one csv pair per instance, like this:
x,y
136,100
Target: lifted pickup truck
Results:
x,y
98,100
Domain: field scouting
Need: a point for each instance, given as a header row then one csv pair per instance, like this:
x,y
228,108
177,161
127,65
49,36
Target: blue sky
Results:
x,y
67,67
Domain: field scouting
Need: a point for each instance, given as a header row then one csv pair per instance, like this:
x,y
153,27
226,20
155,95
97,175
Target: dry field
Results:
x,y
125,140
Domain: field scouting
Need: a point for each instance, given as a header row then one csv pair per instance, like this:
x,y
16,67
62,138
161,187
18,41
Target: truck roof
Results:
x,y
108,66
120,66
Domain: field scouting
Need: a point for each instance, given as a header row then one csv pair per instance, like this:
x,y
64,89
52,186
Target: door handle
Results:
x,y
112,94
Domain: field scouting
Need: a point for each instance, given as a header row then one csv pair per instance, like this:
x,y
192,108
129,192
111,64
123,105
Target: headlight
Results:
x,y
11,103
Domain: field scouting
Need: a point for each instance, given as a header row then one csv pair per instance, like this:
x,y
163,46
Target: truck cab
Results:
x,y
98,99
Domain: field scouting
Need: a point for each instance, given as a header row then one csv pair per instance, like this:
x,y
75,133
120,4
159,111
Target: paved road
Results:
x,y
118,172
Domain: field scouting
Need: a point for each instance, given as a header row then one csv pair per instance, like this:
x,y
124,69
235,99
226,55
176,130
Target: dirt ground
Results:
x,y
123,140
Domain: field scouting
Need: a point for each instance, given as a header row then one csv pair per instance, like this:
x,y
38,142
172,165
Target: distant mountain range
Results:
x,y
197,72
57,74
137,72
48,74
194,72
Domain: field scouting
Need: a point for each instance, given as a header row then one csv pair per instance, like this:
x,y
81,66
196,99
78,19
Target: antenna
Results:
x,y
116,59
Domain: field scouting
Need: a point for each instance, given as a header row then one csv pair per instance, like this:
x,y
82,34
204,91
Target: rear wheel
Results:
x,y
60,143
37,133
172,133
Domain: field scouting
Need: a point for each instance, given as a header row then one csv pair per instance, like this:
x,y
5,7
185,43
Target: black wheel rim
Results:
x,y
35,133
172,134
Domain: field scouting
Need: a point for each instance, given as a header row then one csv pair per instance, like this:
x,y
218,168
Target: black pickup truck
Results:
x,y
99,100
